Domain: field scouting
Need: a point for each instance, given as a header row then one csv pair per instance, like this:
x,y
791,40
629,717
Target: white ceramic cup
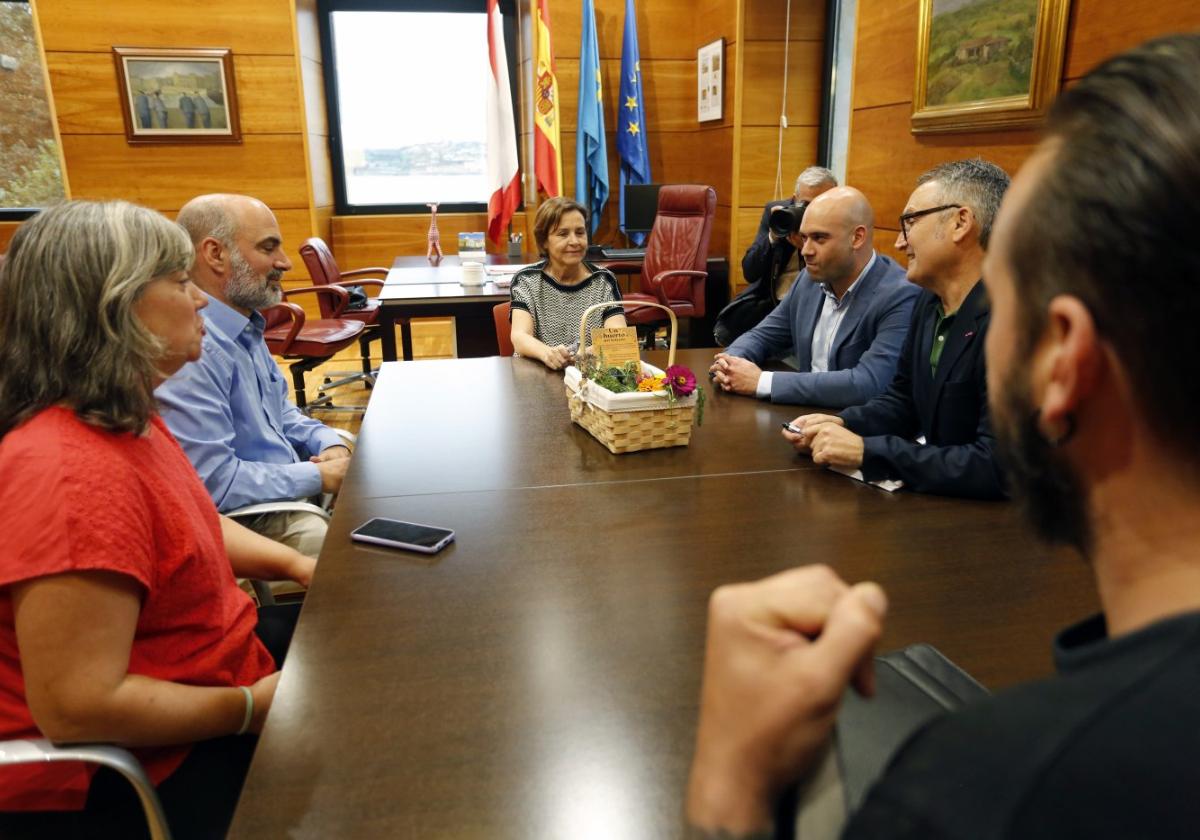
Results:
x,y
472,273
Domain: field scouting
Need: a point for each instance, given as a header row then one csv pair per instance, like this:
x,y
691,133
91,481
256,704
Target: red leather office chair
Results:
x,y
323,270
289,333
675,269
500,314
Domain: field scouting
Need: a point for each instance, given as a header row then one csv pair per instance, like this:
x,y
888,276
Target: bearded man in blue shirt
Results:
x,y
231,411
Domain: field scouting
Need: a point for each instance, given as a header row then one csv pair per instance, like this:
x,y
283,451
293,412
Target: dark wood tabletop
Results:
x,y
494,423
540,676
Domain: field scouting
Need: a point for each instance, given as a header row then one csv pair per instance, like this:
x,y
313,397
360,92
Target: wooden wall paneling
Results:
x,y
762,83
271,167
886,157
718,242
715,19
885,53
1102,28
700,157
262,27
746,220
664,28
759,149
669,93
320,167
885,243
376,240
765,20
87,97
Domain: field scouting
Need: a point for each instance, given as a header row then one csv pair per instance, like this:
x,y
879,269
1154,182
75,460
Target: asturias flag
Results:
x,y
547,146
631,116
504,174
591,151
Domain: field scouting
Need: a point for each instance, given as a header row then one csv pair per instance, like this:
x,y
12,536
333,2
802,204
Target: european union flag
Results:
x,y
631,116
591,150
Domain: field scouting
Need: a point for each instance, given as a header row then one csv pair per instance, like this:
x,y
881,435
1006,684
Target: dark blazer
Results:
x,y
865,350
763,261
950,410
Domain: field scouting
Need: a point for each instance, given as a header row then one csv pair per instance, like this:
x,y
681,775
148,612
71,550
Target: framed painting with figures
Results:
x,y
177,95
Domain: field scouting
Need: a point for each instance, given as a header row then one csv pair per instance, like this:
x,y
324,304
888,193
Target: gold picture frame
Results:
x,y
980,68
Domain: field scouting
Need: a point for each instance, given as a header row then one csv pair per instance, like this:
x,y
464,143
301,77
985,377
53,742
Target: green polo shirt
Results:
x,y
940,330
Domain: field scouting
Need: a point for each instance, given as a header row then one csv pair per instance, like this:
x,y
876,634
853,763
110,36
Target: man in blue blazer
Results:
x,y
843,320
930,429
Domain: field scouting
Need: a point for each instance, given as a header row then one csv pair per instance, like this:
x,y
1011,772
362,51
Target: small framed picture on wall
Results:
x,y
177,95
710,85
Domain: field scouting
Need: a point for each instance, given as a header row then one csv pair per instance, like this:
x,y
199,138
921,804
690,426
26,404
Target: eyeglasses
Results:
x,y
906,220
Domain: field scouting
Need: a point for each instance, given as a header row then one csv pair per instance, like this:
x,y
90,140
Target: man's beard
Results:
x,y
248,290
1045,487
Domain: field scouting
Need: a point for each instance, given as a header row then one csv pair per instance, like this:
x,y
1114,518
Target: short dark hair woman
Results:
x,y
549,298
120,618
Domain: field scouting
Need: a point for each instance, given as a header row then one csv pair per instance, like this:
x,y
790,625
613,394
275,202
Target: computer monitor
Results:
x,y
641,206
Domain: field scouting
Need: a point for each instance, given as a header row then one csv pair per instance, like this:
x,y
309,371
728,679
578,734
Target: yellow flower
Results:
x,y
651,383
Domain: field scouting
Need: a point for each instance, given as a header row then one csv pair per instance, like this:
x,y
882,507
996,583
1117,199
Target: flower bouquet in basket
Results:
x,y
633,406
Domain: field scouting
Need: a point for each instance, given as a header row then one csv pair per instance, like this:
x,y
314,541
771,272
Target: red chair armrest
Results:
x,y
666,291
374,284
297,316
358,272
341,296
622,266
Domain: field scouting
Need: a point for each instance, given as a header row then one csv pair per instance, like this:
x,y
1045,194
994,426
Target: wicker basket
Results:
x,y
633,421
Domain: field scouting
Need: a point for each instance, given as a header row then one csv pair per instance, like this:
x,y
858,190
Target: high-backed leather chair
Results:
x,y
675,268
323,269
291,334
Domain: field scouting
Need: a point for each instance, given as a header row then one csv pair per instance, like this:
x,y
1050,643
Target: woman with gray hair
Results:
x,y
120,618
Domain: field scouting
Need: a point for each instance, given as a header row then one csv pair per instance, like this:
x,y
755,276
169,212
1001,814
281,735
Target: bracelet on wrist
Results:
x,y
249,710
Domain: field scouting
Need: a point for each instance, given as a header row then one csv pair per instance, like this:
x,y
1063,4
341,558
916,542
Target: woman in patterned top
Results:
x,y
549,298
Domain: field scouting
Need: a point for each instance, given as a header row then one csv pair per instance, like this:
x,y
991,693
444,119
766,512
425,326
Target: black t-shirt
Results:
x,y
1108,749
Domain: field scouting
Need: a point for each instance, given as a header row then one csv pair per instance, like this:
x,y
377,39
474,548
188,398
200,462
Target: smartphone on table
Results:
x,y
411,536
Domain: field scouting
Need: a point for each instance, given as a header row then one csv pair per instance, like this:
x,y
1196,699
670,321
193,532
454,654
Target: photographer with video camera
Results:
x,y
841,324
772,262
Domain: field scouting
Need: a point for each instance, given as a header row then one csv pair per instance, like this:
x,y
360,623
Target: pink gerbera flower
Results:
x,y
681,380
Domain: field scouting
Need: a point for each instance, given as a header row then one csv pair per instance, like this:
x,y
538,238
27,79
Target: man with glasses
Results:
x,y
1100,437
930,429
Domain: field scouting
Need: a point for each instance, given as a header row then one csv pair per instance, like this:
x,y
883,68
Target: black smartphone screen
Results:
x,y
403,532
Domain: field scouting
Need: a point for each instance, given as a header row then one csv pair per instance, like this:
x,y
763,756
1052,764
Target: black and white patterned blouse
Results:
x,y
556,309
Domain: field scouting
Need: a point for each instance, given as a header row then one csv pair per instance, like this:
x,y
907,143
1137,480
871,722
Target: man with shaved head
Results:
x,y
843,320
930,428
230,411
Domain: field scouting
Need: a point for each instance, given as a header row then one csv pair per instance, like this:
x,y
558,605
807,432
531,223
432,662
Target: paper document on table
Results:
x,y
507,269
889,484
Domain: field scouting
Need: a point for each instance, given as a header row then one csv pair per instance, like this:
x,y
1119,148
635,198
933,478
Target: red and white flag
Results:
x,y
504,172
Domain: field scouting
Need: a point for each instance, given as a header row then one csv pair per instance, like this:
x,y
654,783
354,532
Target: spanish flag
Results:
x,y
547,147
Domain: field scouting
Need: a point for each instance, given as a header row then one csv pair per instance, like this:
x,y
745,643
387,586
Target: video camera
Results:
x,y
785,220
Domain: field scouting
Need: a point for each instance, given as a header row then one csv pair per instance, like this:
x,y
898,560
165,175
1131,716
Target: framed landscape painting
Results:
x,y
177,95
987,64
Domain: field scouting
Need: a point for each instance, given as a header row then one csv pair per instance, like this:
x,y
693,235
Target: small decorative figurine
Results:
x,y
434,253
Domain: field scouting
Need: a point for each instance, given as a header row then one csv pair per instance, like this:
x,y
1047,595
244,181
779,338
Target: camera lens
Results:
x,y
785,220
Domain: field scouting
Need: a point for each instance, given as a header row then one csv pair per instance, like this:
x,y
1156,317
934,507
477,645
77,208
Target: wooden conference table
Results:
x,y
540,676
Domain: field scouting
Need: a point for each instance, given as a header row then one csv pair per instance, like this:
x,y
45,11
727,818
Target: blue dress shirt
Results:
x,y
231,414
